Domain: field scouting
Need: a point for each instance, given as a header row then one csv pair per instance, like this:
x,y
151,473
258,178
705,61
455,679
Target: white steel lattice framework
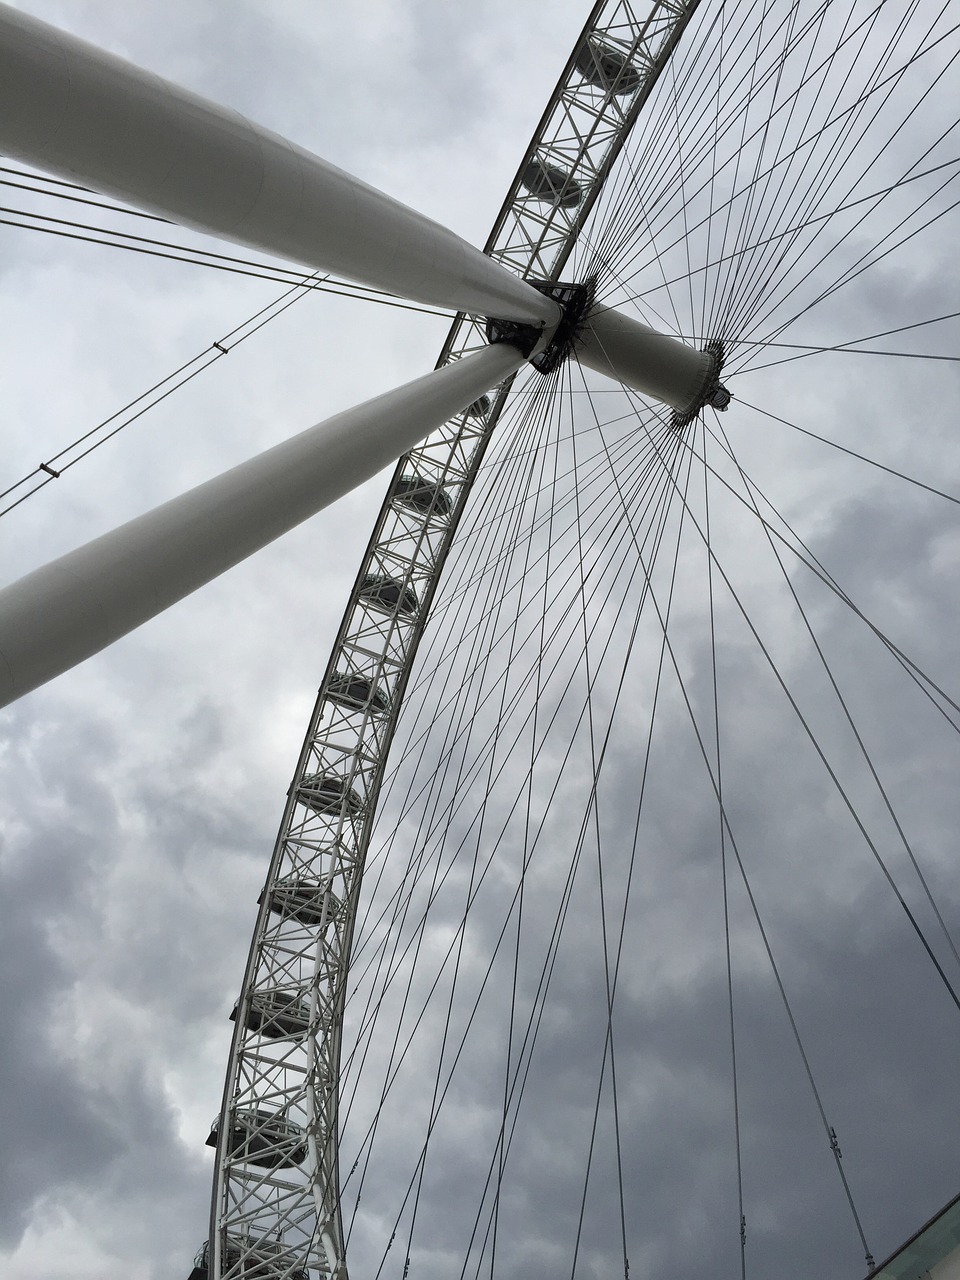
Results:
x,y
280,1097
276,1204
77,111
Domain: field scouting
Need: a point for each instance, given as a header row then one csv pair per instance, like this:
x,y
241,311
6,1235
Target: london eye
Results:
x,y
636,950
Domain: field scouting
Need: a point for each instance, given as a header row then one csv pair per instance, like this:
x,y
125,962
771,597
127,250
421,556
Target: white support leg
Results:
x,y
74,110
72,608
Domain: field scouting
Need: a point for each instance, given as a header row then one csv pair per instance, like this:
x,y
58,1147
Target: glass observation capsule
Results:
x,y
304,898
423,496
551,184
388,594
355,693
276,1014
263,1138
607,68
262,1260
327,793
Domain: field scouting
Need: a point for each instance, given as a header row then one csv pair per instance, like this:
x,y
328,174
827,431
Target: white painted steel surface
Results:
x,y
72,109
60,614
652,363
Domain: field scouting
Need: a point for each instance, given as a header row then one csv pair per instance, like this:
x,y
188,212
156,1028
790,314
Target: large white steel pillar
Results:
x,y
652,363
60,614
74,110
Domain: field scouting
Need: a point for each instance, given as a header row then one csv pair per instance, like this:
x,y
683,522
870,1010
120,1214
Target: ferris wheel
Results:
x,y
706,187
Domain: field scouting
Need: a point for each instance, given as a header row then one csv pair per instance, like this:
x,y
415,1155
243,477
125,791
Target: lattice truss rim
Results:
x,y
282,1212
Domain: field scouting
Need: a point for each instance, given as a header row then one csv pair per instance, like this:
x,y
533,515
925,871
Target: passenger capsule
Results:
x,y
480,408
356,693
329,793
607,68
275,1014
261,1260
424,496
263,1138
388,594
550,184
305,899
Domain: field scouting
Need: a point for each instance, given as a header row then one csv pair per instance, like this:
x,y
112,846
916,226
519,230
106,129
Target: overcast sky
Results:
x,y
141,791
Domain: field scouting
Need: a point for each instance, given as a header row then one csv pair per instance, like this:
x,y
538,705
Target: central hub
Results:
x,y
575,302
662,368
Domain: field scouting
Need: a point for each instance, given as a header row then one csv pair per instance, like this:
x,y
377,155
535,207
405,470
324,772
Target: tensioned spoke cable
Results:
x,y
828,1128
493,592
530,417
851,345
741,230
841,791
218,261
644,465
718,757
520,698
153,396
861,745
846,349
683,201
437,664
444,1091
806,557
527,424
712,173
526,854
396,1059
616,217
31,187
882,84
598,264
593,810
852,453
651,152
521,703
823,170
866,263
754,190
436,661
864,168
476,842
772,302
710,264
642,788
733,112
506,718
625,449
566,904
551,641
